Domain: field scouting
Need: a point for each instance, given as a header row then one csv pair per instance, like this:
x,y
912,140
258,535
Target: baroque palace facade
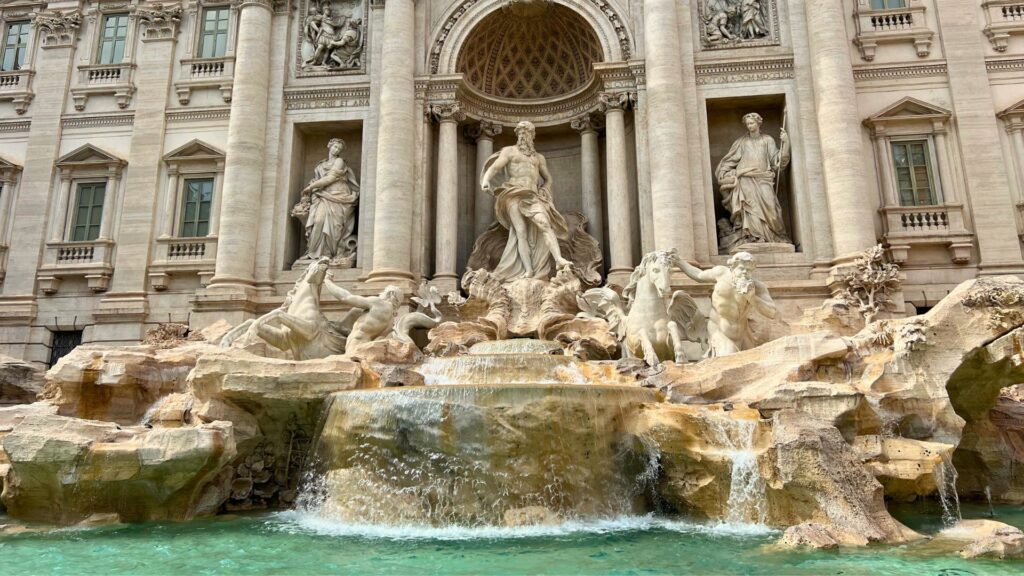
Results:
x,y
158,161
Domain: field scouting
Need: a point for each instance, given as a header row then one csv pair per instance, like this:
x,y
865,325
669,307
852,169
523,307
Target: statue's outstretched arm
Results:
x,y
695,273
763,301
347,297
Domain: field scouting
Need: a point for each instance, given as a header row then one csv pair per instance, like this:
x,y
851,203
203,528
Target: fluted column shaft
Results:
x,y
246,146
393,210
620,228
670,190
447,215
853,227
590,171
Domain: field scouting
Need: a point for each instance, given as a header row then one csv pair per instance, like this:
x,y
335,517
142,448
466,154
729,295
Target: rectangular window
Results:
x,y
64,341
197,200
213,42
113,38
887,4
914,178
88,211
15,46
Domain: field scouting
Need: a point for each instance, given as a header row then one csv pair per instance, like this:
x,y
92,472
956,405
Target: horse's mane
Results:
x,y
303,279
640,271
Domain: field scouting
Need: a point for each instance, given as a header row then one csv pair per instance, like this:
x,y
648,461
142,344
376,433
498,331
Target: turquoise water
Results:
x,y
290,543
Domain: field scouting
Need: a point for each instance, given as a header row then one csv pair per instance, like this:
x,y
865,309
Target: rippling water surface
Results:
x,y
292,543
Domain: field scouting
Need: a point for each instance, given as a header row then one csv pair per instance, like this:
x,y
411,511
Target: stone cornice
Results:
x,y
99,120
894,72
356,96
15,126
1005,65
194,115
744,71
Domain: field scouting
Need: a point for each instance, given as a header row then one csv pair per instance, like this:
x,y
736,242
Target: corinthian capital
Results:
x,y
159,21
616,100
483,129
58,28
447,112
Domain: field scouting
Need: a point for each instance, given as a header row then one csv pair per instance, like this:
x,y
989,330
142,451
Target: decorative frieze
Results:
x,y
747,71
198,114
332,38
728,24
97,121
159,21
347,97
898,72
18,126
57,29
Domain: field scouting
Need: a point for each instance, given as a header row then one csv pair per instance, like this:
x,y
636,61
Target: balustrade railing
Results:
x,y
72,254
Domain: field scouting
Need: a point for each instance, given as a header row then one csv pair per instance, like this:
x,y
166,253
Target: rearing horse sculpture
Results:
x,y
303,330
655,321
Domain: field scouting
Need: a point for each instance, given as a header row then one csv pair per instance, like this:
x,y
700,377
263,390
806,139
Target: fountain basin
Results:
x,y
480,455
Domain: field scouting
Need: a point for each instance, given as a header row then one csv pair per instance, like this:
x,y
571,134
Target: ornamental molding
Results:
x,y
194,115
342,97
97,121
899,72
447,111
18,126
57,29
748,71
609,25
483,129
159,21
1005,65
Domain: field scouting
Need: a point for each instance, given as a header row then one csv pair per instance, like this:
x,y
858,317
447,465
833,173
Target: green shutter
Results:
x,y
113,39
213,42
914,179
88,212
15,46
197,200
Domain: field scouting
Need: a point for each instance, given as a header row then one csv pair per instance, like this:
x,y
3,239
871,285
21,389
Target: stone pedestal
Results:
x,y
764,248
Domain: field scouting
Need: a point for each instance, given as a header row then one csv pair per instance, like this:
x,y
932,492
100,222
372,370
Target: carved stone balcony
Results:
x,y
16,87
183,256
943,225
96,79
892,26
90,260
197,73
1005,18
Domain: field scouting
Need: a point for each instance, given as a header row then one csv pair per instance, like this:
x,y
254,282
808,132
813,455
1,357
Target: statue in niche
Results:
x,y
524,207
328,207
737,296
336,42
747,178
729,22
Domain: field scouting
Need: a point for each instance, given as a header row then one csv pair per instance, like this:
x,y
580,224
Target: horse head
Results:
x,y
656,268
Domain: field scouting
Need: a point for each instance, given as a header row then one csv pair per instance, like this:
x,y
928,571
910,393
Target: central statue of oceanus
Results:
x,y
530,238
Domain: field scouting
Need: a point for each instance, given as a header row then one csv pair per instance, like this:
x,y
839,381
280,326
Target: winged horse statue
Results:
x,y
650,320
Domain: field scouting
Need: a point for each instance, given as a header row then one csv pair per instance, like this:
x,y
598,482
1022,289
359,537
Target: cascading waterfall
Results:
x,y
945,481
736,437
472,453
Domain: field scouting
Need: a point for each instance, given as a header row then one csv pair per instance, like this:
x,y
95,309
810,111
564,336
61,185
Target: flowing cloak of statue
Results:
x,y
332,213
746,178
530,203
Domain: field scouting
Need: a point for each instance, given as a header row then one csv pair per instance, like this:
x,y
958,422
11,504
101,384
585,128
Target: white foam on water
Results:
x,y
296,521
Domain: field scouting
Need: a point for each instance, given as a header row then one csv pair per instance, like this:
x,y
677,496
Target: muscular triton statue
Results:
x,y
737,295
377,318
523,206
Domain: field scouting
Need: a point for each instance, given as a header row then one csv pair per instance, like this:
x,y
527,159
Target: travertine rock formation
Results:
x,y
20,381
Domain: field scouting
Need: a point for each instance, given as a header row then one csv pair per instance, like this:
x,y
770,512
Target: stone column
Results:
x,y
853,223
666,131
246,145
59,221
393,209
985,168
446,217
620,229
483,205
110,198
590,169
170,204
883,154
949,192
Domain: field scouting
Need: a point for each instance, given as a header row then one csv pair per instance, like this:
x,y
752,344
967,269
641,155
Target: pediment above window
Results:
x,y
89,156
194,151
910,114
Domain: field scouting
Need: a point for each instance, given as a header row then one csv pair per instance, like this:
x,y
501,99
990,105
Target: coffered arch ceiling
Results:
x,y
536,53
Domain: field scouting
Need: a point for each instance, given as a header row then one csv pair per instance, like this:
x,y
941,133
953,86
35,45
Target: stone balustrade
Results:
x,y
205,73
909,226
1004,19
16,87
182,257
99,79
92,260
891,26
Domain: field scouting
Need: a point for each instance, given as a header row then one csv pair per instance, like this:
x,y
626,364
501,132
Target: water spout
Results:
x,y
945,481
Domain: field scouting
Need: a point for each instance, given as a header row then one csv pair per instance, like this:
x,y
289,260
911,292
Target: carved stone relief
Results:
x,y
332,37
737,23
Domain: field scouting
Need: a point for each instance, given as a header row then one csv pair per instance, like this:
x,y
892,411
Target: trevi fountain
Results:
x,y
543,402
